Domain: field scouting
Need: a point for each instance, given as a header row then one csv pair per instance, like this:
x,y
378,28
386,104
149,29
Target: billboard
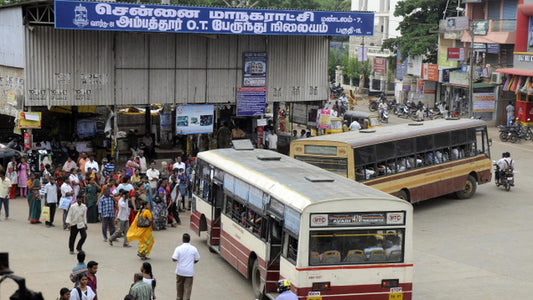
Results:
x,y
456,23
194,119
255,69
85,15
380,65
251,101
484,102
530,35
456,54
430,72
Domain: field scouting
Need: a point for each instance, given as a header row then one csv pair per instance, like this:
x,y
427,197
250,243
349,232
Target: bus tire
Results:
x,y
257,285
403,195
469,189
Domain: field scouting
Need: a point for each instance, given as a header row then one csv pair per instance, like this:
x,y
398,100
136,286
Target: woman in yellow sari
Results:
x,y
143,234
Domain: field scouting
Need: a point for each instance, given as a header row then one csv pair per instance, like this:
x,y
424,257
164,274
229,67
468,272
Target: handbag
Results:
x,y
45,214
142,221
64,203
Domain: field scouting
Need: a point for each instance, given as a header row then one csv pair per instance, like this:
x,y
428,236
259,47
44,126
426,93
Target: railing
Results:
x,y
508,25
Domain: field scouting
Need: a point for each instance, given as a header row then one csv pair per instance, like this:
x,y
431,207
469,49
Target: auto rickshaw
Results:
x,y
367,120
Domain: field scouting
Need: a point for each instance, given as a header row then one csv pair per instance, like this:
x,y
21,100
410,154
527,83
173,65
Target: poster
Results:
x,y
484,102
530,35
255,69
30,120
251,101
323,118
379,65
194,119
86,128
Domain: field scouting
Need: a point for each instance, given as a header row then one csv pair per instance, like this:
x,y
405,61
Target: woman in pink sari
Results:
x,y
23,172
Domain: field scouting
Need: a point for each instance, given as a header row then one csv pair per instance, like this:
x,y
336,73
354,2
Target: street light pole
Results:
x,y
471,75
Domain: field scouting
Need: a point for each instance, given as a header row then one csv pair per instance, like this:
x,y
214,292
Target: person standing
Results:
x,y
69,165
143,234
83,291
91,198
510,113
79,268
148,277
92,281
34,200
77,220
186,256
66,191
153,176
5,186
142,163
140,290
23,171
122,220
64,294
82,161
106,209
12,175
272,140
51,200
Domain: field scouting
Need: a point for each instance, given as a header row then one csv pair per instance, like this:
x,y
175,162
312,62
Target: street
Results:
x,y
464,249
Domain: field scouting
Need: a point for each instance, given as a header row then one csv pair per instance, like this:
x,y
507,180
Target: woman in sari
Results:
x,y
143,234
34,200
91,198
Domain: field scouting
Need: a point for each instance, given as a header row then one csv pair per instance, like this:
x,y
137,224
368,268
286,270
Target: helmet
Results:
x,y
283,285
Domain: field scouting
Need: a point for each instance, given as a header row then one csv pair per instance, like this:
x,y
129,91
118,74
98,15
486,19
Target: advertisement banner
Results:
x,y
209,20
86,128
379,65
481,27
484,102
401,66
362,54
456,23
323,118
430,72
530,35
251,101
456,54
194,119
255,69
29,120
444,62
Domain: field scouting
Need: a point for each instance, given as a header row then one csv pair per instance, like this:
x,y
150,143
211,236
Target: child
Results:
x,y
64,294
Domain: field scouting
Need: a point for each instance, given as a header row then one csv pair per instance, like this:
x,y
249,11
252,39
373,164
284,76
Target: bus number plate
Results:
x,y
396,296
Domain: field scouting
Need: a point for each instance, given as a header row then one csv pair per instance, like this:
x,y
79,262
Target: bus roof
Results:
x,y
286,179
396,132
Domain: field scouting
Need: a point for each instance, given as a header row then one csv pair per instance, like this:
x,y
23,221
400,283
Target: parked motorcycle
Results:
x,y
383,112
373,105
506,177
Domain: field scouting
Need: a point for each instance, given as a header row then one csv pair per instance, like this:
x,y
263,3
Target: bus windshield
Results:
x,y
332,247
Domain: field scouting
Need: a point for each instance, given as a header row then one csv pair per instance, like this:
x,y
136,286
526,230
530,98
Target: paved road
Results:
x,y
464,249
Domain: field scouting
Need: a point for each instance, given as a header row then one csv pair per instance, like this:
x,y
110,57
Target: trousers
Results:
x,y
5,202
73,234
183,287
108,223
123,227
52,212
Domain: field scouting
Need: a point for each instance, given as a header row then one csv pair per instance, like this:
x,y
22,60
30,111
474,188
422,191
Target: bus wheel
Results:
x,y
257,285
469,189
403,195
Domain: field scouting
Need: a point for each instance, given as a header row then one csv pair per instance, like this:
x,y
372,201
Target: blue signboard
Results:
x,y
214,20
401,66
251,101
255,69
194,119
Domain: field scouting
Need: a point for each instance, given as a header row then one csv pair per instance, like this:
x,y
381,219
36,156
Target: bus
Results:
x,y
415,161
273,217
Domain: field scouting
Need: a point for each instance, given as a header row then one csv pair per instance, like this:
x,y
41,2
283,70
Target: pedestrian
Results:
x,y
13,176
140,290
92,281
148,277
69,165
141,232
83,291
91,198
153,176
510,113
79,268
77,220
82,161
186,256
284,290
272,141
66,191
106,209
51,200
5,187
23,171
34,199
64,294
159,205
182,182
122,219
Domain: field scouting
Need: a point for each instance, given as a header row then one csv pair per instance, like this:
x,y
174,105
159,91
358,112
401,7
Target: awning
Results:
x,y
516,71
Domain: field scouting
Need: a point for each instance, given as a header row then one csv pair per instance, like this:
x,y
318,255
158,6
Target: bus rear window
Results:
x,y
368,246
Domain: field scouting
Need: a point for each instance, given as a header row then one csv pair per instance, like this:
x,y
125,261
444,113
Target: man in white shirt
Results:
x,y
66,191
50,190
178,164
186,256
77,220
153,176
355,126
5,186
142,163
122,219
272,140
91,164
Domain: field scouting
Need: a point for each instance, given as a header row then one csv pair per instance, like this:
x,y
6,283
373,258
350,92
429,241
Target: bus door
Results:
x,y
275,229
217,195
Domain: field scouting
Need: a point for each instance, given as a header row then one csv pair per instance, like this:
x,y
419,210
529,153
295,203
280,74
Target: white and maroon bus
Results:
x,y
271,217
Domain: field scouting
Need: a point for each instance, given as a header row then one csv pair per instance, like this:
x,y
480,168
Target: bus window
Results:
x,y
424,143
481,141
442,140
292,248
355,246
365,155
458,137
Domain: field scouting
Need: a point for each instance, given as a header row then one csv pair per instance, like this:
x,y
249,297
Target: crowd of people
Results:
x,y
129,202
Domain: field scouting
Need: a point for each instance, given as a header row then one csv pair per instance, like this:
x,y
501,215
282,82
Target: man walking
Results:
x,y
79,268
140,290
5,186
186,256
106,209
51,199
92,268
77,220
122,220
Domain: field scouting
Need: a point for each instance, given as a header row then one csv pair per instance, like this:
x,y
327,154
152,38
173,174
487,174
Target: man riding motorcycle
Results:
x,y
506,162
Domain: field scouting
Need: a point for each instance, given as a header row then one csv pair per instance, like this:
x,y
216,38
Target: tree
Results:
x,y
419,27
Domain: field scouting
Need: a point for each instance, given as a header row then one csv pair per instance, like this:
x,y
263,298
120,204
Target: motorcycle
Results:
x,y
373,105
337,90
383,112
506,177
509,133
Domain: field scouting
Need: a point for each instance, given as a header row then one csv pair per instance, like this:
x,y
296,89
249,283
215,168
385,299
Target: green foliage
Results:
x,y
418,27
